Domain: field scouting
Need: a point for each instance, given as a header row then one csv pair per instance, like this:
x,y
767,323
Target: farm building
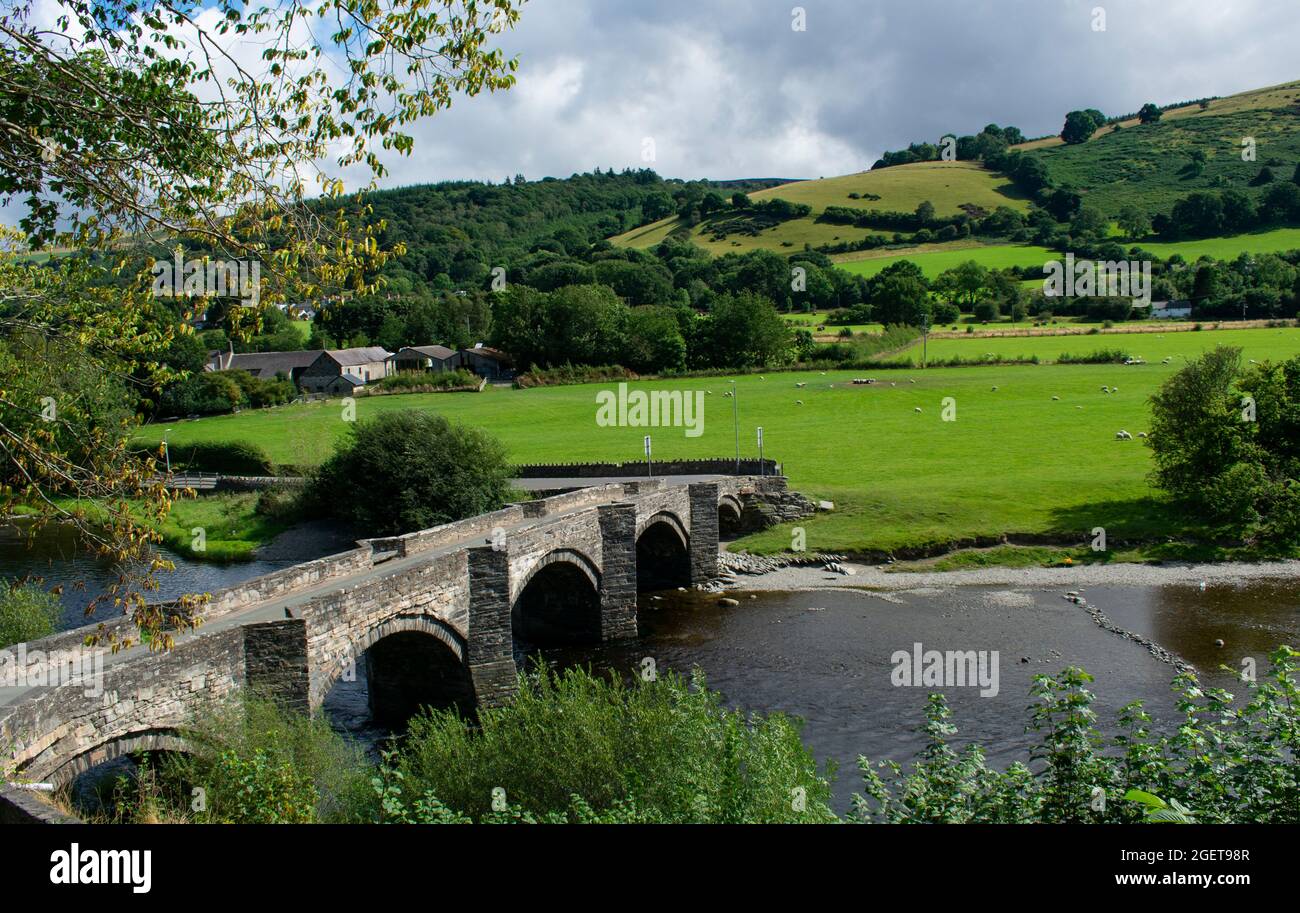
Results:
x,y
364,364
426,358
487,362
1168,310
343,385
264,365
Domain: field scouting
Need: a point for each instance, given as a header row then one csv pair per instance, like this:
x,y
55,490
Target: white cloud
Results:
x,y
726,89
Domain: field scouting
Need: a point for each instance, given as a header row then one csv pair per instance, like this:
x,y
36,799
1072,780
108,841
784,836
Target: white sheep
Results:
x,y
798,402
801,385
1123,436
1142,434
917,409
1055,399
995,388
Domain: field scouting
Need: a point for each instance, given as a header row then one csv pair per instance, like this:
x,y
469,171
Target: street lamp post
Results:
x,y
735,416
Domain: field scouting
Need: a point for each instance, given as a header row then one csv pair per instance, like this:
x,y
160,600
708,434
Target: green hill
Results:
x,y
952,187
1151,165
1193,147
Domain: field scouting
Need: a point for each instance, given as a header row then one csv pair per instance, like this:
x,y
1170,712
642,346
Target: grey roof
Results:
x,y
361,356
263,365
352,379
442,353
487,352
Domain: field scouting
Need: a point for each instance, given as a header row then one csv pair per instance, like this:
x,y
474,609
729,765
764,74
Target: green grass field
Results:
x,y
1151,347
936,258
1013,462
935,261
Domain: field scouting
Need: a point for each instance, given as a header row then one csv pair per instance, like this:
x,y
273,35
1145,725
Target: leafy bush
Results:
x,y
424,382
26,613
258,763
208,393
566,374
664,750
1226,442
408,470
1225,762
1099,357
227,457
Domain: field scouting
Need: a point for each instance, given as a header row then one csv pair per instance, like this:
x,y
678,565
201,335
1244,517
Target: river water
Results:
x,y
826,655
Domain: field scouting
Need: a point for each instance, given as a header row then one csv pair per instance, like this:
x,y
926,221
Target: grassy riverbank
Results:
x,y
216,527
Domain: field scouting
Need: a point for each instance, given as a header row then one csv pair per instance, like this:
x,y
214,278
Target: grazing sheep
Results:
x,y
1123,436
995,388
912,379
917,409
1142,434
708,392
1105,389
801,385
1055,399
798,402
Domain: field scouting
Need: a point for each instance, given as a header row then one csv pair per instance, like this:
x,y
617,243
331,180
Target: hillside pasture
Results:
x,y
948,185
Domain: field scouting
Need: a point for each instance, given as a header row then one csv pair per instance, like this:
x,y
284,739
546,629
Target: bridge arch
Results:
x,y
556,602
729,513
410,662
663,553
160,739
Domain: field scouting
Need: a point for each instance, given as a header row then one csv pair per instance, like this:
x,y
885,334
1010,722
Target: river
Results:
x,y
826,655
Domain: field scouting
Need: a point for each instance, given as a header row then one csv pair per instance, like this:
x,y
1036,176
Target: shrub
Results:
x,y
1226,442
26,613
577,744
424,382
409,470
1225,762
260,764
227,457
208,393
566,374
1099,357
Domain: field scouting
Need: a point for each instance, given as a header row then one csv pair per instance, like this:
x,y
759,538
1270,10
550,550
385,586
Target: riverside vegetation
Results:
x,y
575,747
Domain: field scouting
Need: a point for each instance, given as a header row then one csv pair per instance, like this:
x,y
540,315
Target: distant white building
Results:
x,y
1170,310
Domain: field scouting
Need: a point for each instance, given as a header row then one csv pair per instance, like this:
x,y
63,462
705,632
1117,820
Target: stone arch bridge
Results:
x,y
439,616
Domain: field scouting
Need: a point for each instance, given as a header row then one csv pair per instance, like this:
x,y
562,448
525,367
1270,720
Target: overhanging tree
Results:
x,y
131,126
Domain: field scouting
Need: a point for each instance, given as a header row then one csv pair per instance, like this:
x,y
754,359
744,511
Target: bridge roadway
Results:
x,y
444,605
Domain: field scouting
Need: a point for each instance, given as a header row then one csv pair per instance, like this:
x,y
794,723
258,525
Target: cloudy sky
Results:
x,y
729,88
